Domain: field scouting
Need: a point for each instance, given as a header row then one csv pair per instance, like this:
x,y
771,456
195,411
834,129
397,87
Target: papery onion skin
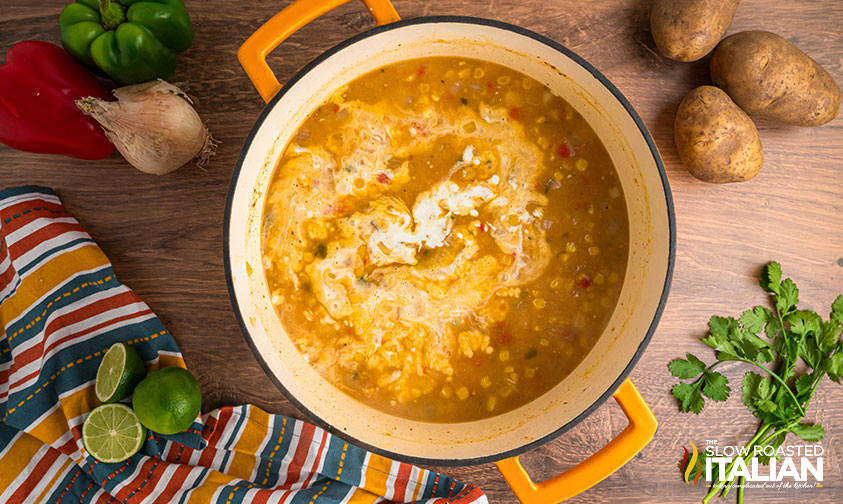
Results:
x,y
153,125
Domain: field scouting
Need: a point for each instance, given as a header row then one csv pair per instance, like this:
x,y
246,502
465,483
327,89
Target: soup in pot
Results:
x,y
445,239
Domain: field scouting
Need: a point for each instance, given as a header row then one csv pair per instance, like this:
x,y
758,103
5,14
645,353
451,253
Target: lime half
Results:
x,y
112,433
120,370
168,400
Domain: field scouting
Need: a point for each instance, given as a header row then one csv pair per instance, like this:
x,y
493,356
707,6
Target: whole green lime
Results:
x,y
168,400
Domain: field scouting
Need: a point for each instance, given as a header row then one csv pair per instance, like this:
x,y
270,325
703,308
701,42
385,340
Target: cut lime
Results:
x,y
112,433
120,370
168,400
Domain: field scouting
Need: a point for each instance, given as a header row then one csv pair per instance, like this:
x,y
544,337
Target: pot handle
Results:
x,y
252,54
610,458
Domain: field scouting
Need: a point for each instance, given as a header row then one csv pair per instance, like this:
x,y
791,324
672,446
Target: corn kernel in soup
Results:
x,y
439,236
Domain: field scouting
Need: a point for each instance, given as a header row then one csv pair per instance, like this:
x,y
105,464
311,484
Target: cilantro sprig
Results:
x,y
771,341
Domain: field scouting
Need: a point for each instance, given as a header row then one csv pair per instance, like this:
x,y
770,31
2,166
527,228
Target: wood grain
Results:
x,y
164,234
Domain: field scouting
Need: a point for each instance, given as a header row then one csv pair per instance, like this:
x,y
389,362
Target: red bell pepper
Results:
x,y
38,85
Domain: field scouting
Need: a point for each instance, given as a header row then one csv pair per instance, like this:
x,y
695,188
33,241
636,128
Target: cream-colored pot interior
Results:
x,y
643,288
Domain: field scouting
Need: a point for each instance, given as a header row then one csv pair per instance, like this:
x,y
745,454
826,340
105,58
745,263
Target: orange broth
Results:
x,y
445,239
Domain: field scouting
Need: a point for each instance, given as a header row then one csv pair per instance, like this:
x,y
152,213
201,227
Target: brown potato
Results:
x,y
687,30
716,140
769,77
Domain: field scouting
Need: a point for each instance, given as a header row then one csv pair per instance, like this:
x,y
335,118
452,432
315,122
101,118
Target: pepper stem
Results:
x,y
111,14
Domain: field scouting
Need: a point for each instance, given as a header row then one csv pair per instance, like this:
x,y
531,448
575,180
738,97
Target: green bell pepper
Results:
x,y
131,41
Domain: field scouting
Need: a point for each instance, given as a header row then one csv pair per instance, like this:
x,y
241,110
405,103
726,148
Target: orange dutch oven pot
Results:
x,y
603,372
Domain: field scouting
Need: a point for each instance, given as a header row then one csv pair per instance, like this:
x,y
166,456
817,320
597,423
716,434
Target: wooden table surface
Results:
x,y
164,234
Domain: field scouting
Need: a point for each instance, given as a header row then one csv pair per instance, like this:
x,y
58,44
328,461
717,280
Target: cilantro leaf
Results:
x,y
752,347
689,397
829,336
695,361
733,342
773,328
766,405
835,364
810,353
803,322
725,350
755,388
837,310
765,355
787,297
771,277
715,341
728,352
721,326
804,384
754,320
690,368
716,386
780,343
809,432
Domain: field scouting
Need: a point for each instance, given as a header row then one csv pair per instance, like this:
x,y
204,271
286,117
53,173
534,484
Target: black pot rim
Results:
x,y
656,316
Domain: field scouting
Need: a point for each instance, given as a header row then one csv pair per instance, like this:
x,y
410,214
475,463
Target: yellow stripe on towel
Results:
x,y
205,493
51,428
49,276
24,448
254,432
362,497
80,402
166,360
377,474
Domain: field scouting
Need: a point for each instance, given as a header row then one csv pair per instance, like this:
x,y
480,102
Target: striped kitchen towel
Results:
x,y
61,307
